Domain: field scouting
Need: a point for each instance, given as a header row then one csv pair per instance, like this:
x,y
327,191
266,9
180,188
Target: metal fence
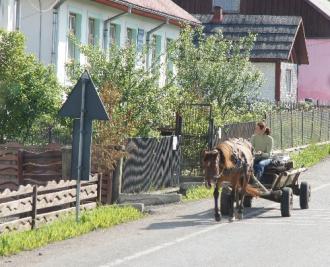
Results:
x,y
298,127
151,164
289,128
235,130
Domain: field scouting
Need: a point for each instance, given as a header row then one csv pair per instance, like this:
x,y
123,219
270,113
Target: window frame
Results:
x,y
91,34
72,28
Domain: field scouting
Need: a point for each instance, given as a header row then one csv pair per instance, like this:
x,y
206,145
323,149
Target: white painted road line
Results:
x,y
189,236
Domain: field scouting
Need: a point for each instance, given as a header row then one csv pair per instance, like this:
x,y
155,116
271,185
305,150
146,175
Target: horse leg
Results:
x,y
217,214
237,202
231,205
244,182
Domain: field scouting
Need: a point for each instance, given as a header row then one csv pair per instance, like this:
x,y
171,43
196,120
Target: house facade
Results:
x,y
100,23
9,13
314,79
278,51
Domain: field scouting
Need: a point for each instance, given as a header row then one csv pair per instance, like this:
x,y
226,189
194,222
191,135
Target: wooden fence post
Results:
x,y
302,127
292,139
117,180
99,188
321,115
312,126
34,206
329,126
66,162
20,159
178,124
281,129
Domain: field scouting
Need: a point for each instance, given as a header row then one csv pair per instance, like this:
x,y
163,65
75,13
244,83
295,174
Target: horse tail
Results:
x,y
250,190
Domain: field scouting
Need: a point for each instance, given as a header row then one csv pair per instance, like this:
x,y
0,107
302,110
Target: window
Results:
x,y
91,31
169,61
113,34
130,37
156,48
140,40
72,32
288,81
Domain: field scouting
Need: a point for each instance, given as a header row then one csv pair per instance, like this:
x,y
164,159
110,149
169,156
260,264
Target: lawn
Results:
x,y
66,227
310,156
198,193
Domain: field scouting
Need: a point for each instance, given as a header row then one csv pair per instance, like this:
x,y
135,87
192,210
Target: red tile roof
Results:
x,y
159,8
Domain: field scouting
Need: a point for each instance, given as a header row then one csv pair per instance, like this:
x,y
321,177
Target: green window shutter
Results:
x,y
118,34
78,36
97,32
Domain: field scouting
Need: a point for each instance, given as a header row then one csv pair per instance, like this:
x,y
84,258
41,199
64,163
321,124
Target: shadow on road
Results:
x,y
205,218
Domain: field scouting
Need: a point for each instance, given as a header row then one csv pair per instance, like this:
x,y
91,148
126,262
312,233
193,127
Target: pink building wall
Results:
x,y
314,79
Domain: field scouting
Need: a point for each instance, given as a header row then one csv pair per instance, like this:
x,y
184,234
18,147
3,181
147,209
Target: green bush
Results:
x,y
29,92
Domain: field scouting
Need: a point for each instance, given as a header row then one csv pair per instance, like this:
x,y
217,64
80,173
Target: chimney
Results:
x,y
217,15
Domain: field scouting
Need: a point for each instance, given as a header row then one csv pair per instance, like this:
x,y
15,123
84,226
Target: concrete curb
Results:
x,y
138,206
149,199
186,185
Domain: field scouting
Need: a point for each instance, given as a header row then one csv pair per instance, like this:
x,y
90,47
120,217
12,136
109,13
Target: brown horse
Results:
x,y
231,161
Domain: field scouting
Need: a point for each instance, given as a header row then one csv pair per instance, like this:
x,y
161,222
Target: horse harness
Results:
x,y
238,157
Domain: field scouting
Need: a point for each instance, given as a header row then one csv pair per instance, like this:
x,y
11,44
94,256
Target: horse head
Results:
x,y
211,161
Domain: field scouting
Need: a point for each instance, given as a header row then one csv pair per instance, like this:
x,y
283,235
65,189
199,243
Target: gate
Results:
x,y
196,135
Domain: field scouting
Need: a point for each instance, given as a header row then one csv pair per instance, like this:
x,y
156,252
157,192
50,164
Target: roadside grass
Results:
x,y
66,227
198,193
311,155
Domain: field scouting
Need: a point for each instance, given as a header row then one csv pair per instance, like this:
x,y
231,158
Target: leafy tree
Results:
x,y
29,92
216,71
142,102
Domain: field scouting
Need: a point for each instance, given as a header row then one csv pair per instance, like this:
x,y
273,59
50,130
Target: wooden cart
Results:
x,y
278,187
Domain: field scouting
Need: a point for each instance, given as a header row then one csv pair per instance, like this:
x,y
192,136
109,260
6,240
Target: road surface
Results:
x,y
187,235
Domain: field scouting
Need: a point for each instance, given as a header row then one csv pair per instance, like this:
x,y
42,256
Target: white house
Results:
x,y
9,14
48,23
279,49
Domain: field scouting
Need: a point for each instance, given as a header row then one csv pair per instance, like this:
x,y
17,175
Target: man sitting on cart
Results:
x,y
262,143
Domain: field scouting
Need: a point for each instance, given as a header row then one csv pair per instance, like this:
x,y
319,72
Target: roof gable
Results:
x,y
276,35
323,6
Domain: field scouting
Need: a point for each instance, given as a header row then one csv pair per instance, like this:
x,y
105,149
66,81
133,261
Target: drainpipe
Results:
x,y
40,29
18,14
148,39
107,21
55,32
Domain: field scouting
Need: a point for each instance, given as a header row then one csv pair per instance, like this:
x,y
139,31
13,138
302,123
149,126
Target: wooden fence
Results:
x,y
32,206
44,166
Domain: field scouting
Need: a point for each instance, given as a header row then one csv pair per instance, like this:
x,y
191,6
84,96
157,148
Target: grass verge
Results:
x,y
310,156
66,227
198,193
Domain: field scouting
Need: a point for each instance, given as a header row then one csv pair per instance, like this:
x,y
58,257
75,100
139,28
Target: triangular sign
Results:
x,y
94,108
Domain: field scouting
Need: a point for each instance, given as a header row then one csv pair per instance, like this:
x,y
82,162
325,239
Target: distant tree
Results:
x,y
29,92
216,70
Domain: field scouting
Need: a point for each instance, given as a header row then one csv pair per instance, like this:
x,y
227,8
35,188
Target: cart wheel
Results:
x,y
225,201
286,202
247,202
305,195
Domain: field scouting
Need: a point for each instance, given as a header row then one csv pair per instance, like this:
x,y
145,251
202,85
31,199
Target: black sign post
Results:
x,y
83,105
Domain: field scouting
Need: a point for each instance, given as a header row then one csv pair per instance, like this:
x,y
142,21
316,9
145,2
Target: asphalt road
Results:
x,y
186,235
